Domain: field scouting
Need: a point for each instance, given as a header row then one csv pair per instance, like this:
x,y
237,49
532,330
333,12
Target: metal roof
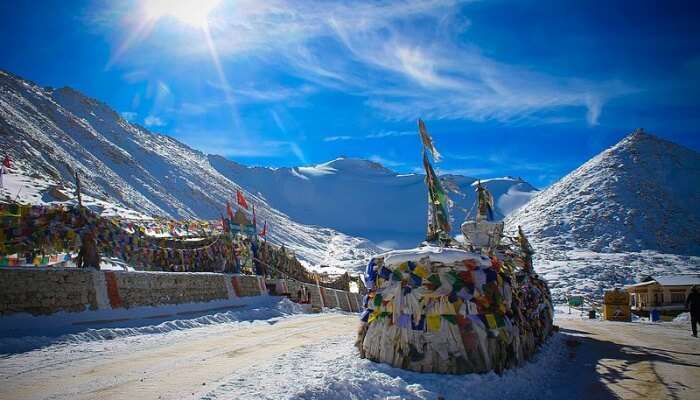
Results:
x,y
678,280
672,280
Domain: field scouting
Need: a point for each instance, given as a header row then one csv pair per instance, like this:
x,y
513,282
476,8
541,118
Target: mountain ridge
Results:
x,y
629,212
55,133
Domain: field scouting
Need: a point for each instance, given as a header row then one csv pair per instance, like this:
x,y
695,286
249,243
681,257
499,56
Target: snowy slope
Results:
x,y
629,211
363,198
52,133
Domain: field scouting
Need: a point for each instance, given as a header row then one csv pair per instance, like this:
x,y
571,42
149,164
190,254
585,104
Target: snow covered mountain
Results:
x,y
630,211
52,133
363,198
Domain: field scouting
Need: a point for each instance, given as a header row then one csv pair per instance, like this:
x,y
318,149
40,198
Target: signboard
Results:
x,y
575,301
616,306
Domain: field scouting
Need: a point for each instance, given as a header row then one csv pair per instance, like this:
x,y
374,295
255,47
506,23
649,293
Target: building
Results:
x,y
666,293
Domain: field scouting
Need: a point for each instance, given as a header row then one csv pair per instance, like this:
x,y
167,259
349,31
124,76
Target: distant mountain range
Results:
x,y
628,212
363,198
51,133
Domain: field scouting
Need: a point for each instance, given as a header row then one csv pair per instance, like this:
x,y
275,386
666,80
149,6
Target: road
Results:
x,y
633,360
278,357
168,370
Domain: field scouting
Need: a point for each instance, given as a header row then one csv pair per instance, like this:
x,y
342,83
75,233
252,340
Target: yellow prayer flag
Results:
x,y
433,321
491,321
421,271
372,317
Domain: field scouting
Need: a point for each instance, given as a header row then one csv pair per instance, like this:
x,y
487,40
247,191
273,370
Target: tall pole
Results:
x,y
77,189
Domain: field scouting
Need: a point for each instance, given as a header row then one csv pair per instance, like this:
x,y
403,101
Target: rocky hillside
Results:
x,y
51,133
630,211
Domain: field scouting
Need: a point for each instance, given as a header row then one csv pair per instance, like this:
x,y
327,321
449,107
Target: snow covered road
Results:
x,y
154,367
281,354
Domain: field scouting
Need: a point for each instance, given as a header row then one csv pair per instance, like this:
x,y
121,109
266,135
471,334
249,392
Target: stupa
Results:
x,y
455,307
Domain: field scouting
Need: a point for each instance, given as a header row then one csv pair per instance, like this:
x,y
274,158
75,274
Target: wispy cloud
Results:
x,y
337,138
128,115
406,58
386,162
227,145
378,135
153,121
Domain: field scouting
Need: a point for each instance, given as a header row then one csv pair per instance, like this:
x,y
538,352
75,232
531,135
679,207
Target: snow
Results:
x,y
627,213
678,280
126,167
682,318
22,332
123,167
444,255
34,190
328,368
353,196
333,370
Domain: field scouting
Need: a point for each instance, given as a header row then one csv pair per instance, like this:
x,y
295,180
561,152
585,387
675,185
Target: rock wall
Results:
x,y
47,291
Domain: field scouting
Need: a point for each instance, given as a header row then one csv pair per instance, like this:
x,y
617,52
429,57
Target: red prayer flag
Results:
x,y
7,162
264,231
241,200
224,224
229,210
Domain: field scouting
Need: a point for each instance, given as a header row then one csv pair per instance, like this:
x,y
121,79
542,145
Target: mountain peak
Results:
x,y
343,163
640,194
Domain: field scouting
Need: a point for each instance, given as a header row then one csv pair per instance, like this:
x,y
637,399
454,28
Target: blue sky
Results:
x,y
529,89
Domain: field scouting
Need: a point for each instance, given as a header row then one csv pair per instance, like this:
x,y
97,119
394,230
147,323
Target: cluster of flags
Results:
x,y
241,201
438,212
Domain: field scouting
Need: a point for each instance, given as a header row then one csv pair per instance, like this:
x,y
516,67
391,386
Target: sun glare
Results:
x,y
190,12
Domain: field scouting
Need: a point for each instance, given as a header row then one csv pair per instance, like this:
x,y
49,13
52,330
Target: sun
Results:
x,y
190,12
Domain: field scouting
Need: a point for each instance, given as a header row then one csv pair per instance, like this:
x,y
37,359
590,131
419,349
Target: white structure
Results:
x,y
664,293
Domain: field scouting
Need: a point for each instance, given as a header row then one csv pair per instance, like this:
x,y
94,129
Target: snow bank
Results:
x,y
332,370
23,332
683,318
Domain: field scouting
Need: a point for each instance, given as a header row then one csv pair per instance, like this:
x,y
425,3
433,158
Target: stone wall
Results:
x,y
45,292
150,289
50,290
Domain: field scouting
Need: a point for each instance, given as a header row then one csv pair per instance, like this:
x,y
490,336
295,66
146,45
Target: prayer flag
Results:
x,y
264,231
229,210
428,141
241,200
438,214
7,162
433,321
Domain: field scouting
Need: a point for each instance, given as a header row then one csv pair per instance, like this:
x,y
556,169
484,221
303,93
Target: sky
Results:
x,y
522,88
